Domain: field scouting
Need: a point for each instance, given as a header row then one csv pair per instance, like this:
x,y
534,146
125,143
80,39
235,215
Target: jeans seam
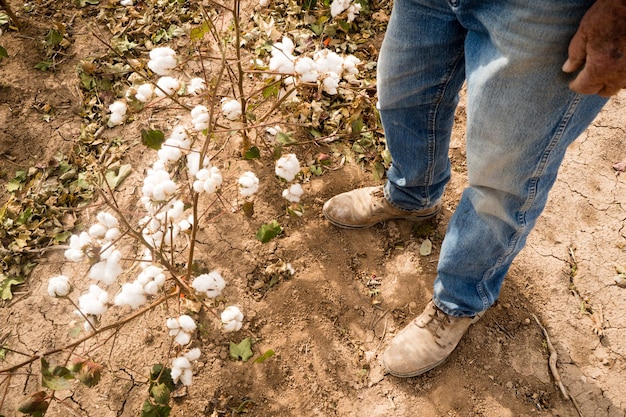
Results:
x,y
432,124
530,200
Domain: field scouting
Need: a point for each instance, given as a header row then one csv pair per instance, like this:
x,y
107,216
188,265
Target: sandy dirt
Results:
x,y
352,291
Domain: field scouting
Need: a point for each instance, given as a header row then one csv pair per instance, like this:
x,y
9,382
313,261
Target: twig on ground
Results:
x,y
14,18
552,361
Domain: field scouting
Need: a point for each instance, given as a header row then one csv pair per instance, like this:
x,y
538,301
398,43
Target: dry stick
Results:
x,y
96,332
14,18
552,360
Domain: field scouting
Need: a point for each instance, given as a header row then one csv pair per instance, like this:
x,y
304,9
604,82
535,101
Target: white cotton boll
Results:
x,y
126,3
273,131
186,323
353,10
181,362
328,61
94,301
59,286
107,219
232,319
330,83
281,64
349,64
116,119
167,86
151,288
176,211
306,69
159,280
193,354
74,255
196,85
293,193
193,163
144,93
248,184
169,153
264,3
338,6
162,60
97,271
179,134
211,284
175,373
285,47
200,118
231,109
186,377
184,225
118,113
132,295
287,167
112,234
208,180
182,338
97,231
172,323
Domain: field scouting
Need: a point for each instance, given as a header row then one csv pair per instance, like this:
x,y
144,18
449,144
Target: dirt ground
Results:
x,y
351,292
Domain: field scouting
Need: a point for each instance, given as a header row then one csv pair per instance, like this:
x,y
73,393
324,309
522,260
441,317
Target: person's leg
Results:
x,y
420,73
521,118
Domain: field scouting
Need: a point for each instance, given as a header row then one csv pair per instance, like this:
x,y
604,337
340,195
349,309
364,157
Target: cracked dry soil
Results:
x,y
352,290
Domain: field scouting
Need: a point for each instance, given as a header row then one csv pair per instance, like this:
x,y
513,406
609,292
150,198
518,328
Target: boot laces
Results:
x,y
437,322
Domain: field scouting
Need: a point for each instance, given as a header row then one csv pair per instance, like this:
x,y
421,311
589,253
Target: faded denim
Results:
x,y
521,117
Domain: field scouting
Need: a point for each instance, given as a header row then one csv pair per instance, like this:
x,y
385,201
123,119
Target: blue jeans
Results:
x,y
521,117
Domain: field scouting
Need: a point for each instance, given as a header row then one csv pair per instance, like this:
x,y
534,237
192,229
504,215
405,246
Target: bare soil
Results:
x,y
352,290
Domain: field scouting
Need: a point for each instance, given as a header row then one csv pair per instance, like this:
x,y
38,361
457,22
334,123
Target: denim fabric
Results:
x,y
521,117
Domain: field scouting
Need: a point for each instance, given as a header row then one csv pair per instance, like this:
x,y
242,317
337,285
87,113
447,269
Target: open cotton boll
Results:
x,y
168,86
193,354
248,184
162,60
210,284
107,219
306,69
181,371
186,323
349,64
232,319
126,2
287,167
144,93
59,286
97,231
173,325
328,61
94,301
338,6
231,109
200,118
78,244
293,193
132,295
118,113
196,86
193,163
182,338
208,180
330,83
353,10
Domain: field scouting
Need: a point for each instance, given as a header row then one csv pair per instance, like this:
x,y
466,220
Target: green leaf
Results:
x,y
284,138
160,393
152,138
264,356
155,410
5,286
198,33
426,248
160,375
241,351
53,37
3,53
43,65
252,153
3,352
56,378
357,125
13,185
271,90
268,231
